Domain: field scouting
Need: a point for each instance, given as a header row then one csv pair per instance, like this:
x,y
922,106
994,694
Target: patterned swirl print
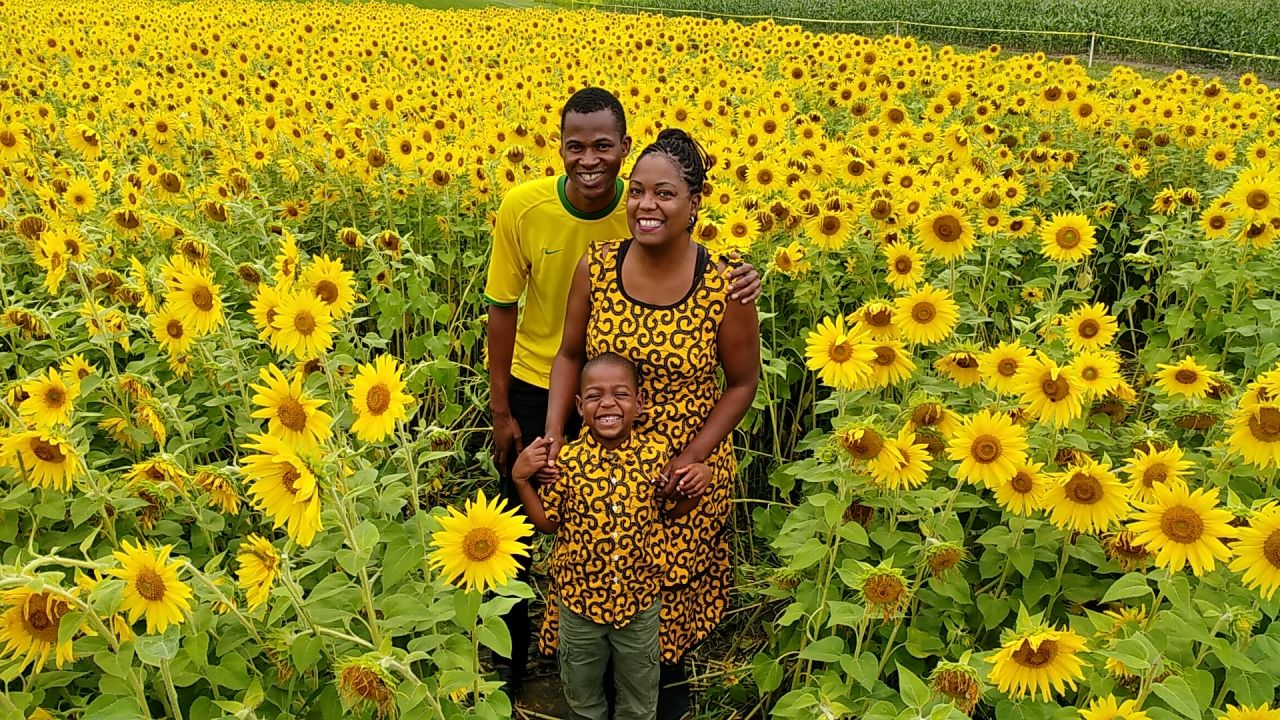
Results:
x,y
607,563
675,348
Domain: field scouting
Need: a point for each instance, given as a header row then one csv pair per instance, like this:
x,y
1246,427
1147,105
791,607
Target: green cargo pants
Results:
x,y
586,646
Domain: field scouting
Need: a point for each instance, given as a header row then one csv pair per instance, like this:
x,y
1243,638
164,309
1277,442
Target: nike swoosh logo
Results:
x,y
550,252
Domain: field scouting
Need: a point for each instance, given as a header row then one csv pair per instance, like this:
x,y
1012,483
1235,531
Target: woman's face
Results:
x,y
659,202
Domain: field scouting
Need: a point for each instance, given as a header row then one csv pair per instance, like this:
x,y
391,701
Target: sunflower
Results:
x,y
378,399
1052,394
1086,498
30,625
222,494
477,549
790,259
332,284
1107,708
1186,378
830,230
303,326
195,298
1001,364
841,356
1257,551
892,363
946,234
928,412
959,683
904,264
1254,193
283,486
1183,527
170,331
989,448
1067,237
264,309
363,684
926,316
1244,712
1089,327
259,564
152,587
43,459
1098,371
1025,491
49,400
80,196
76,368
876,318
1151,468
906,466
292,415
884,589
1256,434
1033,661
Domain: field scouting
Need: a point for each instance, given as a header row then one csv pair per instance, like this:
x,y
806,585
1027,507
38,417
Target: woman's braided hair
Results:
x,y
686,153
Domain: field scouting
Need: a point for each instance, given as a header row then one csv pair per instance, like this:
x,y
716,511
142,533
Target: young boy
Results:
x,y
607,563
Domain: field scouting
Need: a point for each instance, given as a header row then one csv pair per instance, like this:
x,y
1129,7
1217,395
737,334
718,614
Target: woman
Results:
x,y
661,301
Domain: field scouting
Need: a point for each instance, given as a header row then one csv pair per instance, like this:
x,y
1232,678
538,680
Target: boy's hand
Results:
x,y
531,461
692,480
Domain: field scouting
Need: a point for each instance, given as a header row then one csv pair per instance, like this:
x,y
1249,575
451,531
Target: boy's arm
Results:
x,y
530,461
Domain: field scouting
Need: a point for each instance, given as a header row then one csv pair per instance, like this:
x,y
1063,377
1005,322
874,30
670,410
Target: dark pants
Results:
x,y
674,697
529,409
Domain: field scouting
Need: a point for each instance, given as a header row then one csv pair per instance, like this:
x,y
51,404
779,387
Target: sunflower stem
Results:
x,y
226,602
170,690
366,593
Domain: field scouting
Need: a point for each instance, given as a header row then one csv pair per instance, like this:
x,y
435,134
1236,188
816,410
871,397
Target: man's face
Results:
x,y
592,151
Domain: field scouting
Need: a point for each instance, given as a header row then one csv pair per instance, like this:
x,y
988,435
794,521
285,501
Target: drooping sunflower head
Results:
x,y
958,682
884,589
1034,661
363,683
862,441
30,624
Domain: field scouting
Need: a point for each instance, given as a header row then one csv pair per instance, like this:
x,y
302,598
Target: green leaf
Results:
x,y
155,649
305,651
913,690
767,672
1132,585
366,537
1178,695
466,606
494,635
828,649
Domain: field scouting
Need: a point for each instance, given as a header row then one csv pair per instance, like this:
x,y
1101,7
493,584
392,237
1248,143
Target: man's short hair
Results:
x,y
594,99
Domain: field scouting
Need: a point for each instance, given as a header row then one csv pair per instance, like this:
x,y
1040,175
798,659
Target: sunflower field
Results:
x,y
1014,452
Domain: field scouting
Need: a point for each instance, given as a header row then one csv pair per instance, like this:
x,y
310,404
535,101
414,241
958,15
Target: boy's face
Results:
x,y
592,150
608,400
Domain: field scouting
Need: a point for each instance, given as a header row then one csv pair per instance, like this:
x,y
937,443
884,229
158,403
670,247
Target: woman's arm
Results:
x,y
567,365
738,345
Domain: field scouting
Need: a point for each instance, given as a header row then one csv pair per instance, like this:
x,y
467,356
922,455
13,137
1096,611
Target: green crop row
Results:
x,y
1248,26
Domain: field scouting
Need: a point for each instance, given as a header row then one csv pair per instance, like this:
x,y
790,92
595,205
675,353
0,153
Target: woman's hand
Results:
x,y
744,281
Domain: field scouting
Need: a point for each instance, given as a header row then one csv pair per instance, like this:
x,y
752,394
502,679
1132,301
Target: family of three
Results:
x,y
615,392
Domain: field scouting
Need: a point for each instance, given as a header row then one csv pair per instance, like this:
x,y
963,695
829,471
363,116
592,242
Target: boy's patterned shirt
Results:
x,y
607,563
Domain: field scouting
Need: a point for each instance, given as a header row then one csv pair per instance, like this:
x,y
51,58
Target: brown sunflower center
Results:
x,y
1186,376
841,351
42,616
885,355
866,446
1155,474
1083,489
1036,657
288,478
149,585
923,312
1271,548
878,317
202,298
480,544
292,414
174,329
1022,483
1088,328
1067,238
1007,367
883,589
47,451
1182,524
304,322
927,414
1090,373
54,397
327,291
947,228
1217,222
1055,388
1264,425
902,265
366,684
378,399
8,139
1257,199
830,225
985,448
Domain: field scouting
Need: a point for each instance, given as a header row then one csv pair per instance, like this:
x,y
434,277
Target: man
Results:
x,y
543,228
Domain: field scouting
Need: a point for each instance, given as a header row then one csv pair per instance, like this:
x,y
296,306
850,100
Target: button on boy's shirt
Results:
x,y
607,562
538,239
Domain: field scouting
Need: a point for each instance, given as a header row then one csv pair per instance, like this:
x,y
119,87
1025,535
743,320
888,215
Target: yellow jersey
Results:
x,y
538,239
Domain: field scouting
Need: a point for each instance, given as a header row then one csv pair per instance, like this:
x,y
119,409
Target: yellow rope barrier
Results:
x,y
896,23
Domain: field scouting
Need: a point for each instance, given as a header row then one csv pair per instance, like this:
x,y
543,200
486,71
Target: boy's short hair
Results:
x,y
594,99
611,358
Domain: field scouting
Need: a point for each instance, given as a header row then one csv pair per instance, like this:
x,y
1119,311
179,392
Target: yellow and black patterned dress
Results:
x,y
675,349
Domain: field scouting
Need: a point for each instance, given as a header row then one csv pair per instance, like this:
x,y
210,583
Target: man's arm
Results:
x,y
502,342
